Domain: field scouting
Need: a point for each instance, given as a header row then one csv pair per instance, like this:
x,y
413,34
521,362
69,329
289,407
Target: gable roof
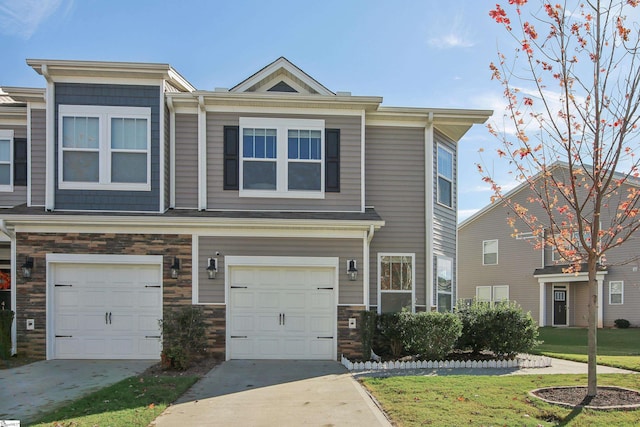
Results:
x,y
555,165
277,76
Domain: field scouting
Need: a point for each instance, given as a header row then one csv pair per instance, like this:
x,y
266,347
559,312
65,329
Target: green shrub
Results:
x,y
622,323
6,320
368,322
391,330
431,335
183,337
503,328
474,334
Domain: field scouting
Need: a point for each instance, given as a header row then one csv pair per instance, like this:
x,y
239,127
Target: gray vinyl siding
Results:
x,y
114,95
19,194
445,218
38,156
348,199
394,163
212,291
186,161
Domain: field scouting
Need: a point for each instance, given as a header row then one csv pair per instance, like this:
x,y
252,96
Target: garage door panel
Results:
x,y
106,318
286,315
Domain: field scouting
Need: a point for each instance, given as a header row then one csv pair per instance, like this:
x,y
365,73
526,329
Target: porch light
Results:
x,y
212,268
175,268
27,267
352,270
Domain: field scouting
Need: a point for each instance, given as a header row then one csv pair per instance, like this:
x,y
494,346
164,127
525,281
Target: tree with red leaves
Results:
x,y
572,86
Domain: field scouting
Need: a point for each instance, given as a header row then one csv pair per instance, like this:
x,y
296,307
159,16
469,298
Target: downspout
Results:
x,y
367,265
49,202
202,154
428,209
172,153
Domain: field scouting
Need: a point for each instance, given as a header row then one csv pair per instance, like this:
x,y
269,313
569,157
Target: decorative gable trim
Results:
x,y
278,68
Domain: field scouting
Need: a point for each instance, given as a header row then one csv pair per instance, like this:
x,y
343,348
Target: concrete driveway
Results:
x,y
275,393
29,391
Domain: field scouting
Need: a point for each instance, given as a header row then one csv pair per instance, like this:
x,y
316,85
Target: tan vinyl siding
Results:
x,y
186,161
38,156
212,291
395,187
348,199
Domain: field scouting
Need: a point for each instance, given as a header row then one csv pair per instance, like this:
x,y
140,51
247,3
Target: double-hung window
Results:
x,y
492,294
281,158
396,290
445,282
490,252
6,160
445,177
616,292
104,148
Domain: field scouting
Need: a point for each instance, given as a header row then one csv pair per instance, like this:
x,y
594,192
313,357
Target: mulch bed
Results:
x,y
198,368
577,396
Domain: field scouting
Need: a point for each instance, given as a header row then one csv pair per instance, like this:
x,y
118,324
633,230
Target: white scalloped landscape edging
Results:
x,y
528,362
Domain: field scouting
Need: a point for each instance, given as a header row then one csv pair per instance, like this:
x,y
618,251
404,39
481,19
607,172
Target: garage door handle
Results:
x,y
64,336
239,287
283,318
109,317
151,286
280,319
325,338
325,289
106,317
238,336
152,336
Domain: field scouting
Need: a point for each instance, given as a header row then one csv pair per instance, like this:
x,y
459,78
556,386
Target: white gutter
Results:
x,y
428,209
5,230
202,154
49,202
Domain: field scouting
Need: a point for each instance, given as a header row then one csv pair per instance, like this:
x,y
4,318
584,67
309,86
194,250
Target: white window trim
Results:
x,y
282,158
437,291
492,293
104,115
440,146
413,278
621,292
497,250
8,134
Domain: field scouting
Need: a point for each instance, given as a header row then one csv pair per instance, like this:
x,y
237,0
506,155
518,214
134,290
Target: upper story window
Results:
x,y
281,158
104,148
490,252
6,160
445,177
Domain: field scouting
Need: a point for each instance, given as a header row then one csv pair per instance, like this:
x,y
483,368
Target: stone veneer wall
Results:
x,y
349,340
31,293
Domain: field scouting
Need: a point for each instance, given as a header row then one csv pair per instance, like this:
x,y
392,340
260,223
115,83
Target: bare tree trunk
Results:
x,y
592,339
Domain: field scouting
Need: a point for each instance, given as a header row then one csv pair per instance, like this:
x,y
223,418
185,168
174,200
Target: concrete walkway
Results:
x,y
31,390
275,393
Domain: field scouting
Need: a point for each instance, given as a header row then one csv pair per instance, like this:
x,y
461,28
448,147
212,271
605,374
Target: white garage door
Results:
x,y
106,311
282,313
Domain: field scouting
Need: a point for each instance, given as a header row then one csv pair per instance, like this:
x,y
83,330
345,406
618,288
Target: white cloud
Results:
x,y
23,18
466,213
455,35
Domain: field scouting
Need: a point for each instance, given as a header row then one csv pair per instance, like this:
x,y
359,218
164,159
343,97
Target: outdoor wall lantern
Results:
x,y
175,268
27,267
352,270
212,268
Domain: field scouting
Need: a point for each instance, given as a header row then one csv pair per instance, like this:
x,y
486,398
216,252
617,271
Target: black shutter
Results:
x,y
20,162
332,160
231,157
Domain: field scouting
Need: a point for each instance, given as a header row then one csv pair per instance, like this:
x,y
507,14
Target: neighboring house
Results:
x,y
281,208
496,264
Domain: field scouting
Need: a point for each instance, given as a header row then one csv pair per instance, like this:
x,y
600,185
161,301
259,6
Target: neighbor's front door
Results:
x,y
560,307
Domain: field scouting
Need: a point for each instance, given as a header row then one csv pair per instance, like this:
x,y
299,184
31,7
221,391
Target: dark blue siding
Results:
x,y
114,95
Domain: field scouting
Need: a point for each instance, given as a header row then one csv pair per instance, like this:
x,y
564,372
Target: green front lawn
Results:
x,y
491,401
616,347
135,401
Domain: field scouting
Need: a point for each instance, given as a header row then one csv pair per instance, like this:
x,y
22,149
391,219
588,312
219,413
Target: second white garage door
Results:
x,y
282,313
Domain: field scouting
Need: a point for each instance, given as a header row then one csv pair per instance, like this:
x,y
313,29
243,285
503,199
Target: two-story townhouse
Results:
x,y
495,263
279,207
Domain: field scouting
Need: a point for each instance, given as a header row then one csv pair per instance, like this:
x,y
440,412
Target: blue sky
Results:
x,y
421,53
